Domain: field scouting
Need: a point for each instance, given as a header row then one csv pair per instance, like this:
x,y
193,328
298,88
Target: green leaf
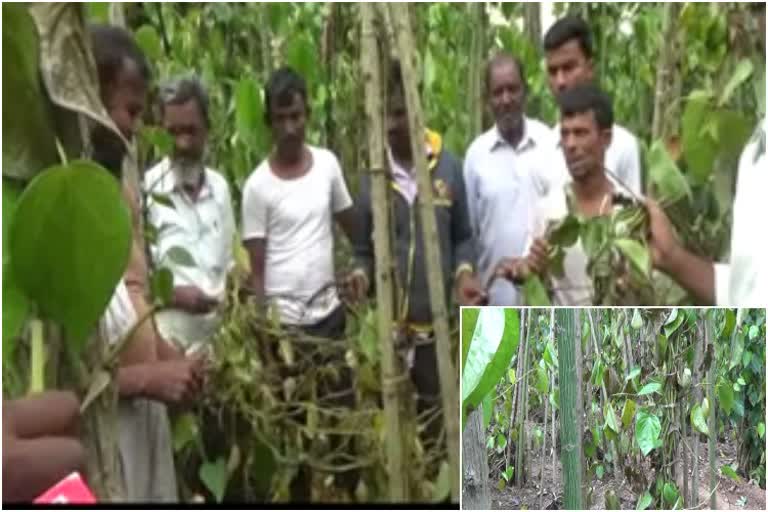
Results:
x,y
468,322
28,136
368,338
647,430
761,430
610,418
670,493
638,255
542,380
550,355
443,484
181,256
698,421
159,139
534,292
501,443
600,471
566,233
753,332
161,284
699,149
185,431
651,387
628,413
644,502
76,212
663,173
741,74
725,395
302,55
214,476
508,473
149,42
97,12
632,374
493,343
730,472
673,323
15,304
637,321
728,324
249,111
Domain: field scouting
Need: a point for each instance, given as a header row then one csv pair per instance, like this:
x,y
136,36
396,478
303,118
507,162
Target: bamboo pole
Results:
x,y
383,254
437,296
712,421
520,472
570,437
477,18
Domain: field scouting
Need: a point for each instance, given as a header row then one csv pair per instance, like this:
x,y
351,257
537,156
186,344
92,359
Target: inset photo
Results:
x,y
613,409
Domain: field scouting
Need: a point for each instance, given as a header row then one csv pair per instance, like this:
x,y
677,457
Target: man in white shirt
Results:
x,y
505,172
743,282
569,59
585,125
191,208
289,204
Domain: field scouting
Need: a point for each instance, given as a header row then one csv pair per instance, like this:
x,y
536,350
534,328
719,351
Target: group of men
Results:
x,y
491,213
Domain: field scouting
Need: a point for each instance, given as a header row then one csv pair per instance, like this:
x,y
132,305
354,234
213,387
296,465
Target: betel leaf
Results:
x,y
730,472
249,110
637,254
76,212
610,418
651,387
632,374
666,179
468,322
628,413
487,410
699,150
644,502
535,293
725,395
637,320
214,476
494,341
698,421
149,41
741,74
29,143
673,322
647,430
670,494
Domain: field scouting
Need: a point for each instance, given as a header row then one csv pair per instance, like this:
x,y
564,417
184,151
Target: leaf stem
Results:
x,y
37,366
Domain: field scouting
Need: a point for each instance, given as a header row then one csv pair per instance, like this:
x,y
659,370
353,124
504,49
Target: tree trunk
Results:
x,y
516,392
446,366
579,382
696,382
712,426
383,253
666,99
570,437
475,86
475,494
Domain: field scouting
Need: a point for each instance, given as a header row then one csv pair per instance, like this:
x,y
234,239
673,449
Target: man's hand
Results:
x,y
175,381
355,286
40,445
469,291
513,269
662,240
538,256
192,300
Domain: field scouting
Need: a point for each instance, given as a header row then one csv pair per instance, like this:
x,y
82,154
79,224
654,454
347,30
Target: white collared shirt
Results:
x,y
503,186
205,228
744,283
622,159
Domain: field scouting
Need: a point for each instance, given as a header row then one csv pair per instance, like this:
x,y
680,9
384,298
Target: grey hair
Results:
x,y
181,90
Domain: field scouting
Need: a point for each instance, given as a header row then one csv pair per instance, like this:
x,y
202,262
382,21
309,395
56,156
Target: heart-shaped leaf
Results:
x,y
214,476
70,244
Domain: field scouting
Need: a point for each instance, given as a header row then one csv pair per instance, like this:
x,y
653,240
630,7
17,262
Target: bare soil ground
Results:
x,y
731,495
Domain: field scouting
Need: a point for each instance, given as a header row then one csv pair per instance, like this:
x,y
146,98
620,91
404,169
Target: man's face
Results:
x,y
187,126
288,120
398,132
506,95
567,67
584,144
125,100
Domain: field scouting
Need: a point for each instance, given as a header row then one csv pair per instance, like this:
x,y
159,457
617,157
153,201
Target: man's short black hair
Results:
x,y
587,98
283,85
181,90
111,47
501,58
567,29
